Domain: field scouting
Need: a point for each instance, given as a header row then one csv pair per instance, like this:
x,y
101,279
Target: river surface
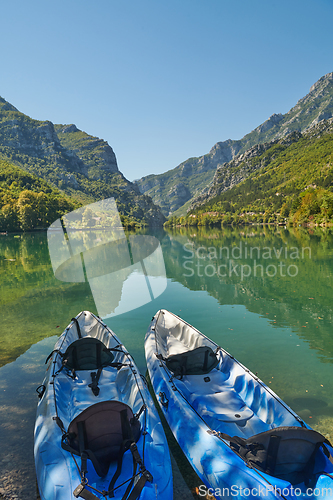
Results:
x,y
265,294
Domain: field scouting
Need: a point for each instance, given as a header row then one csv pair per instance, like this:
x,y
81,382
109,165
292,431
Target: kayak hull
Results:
x,y
65,397
199,407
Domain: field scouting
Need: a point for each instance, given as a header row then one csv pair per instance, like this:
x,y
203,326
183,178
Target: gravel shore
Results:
x,y
20,484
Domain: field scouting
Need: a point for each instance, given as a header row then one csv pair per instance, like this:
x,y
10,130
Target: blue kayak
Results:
x,y
97,431
239,436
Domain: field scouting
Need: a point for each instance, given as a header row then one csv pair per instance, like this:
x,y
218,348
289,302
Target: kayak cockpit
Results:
x,y
102,433
288,453
227,396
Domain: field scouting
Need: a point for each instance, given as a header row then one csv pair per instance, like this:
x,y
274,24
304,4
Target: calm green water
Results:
x,y
264,294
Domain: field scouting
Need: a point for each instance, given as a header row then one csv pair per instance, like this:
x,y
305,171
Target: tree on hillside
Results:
x,y
27,204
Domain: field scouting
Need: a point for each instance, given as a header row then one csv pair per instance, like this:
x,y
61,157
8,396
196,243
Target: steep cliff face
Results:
x,y
79,164
95,153
237,170
316,106
302,159
34,144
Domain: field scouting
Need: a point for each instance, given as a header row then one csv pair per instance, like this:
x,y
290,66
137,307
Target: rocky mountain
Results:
x,y
234,172
288,177
174,190
79,164
95,154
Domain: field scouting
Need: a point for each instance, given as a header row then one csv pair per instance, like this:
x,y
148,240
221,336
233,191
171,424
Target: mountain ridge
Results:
x,y
79,164
316,106
288,180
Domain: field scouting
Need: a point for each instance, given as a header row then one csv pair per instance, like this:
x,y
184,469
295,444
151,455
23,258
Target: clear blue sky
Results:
x,y
162,81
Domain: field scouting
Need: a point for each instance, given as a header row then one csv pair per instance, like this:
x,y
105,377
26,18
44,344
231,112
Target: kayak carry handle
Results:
x,y
40,390
164,400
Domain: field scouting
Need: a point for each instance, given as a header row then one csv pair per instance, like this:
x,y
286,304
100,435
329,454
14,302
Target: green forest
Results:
x,y
28,203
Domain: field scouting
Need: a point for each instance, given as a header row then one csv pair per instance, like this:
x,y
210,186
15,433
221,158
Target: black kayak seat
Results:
x,y
195,362
100,431
285,452
87,353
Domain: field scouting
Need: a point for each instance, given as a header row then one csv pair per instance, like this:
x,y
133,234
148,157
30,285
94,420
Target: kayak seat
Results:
x,y
288,453
102,433
87,353
195,362
226,406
